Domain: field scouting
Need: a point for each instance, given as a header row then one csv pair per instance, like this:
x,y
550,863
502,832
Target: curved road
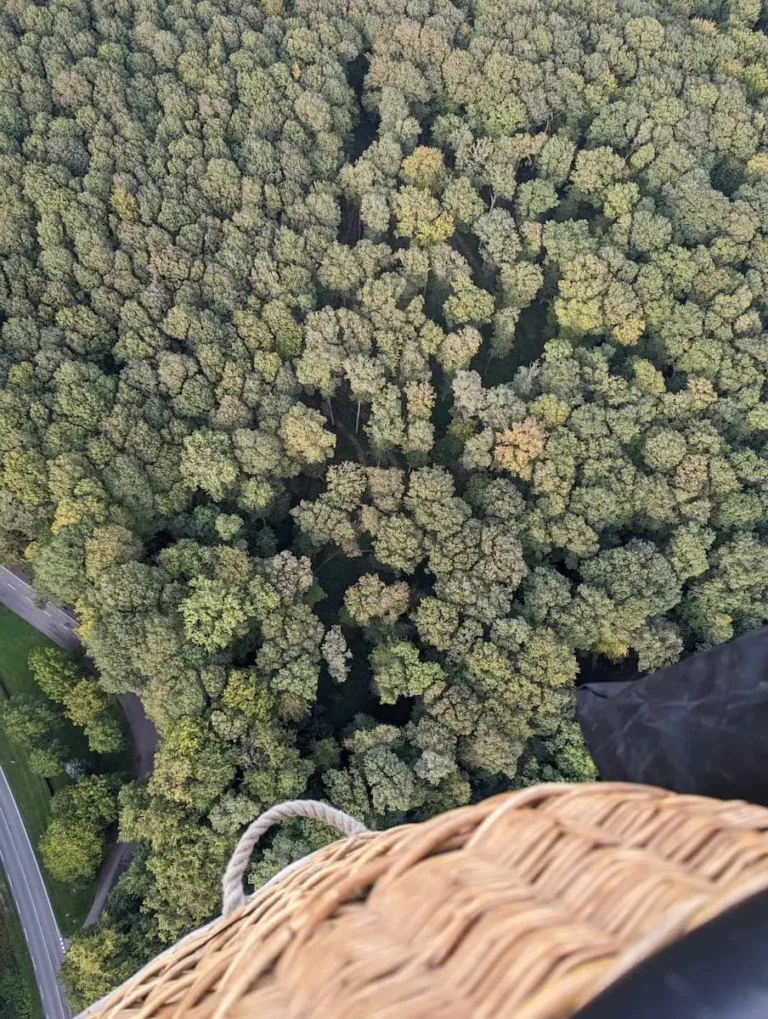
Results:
x,y
44,940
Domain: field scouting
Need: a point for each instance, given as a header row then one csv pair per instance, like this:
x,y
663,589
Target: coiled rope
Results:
x,y
233,894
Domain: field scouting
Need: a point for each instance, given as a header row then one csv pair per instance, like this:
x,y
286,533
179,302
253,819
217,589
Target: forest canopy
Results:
x,y
366,368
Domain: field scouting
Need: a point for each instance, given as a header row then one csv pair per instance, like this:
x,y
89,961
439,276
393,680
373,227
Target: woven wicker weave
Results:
x,y
526,905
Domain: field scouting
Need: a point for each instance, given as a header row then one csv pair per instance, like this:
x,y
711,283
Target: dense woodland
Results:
x,y
366,367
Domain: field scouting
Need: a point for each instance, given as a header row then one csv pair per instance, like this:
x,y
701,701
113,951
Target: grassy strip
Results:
x,y
32,793
19,998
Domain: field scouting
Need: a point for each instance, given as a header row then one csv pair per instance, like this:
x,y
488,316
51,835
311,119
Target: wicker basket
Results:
x,y
526,905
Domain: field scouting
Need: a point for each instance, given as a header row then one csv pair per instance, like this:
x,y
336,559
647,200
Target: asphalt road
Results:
x,y
18,596
41,931
46,947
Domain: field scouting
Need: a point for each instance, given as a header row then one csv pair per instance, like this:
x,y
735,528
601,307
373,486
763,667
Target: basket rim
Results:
x,y
494,807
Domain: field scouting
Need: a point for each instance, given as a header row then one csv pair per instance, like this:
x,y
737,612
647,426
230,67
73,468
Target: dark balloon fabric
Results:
x,y
716,972
699,726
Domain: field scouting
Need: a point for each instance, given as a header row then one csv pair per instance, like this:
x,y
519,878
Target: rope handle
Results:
x,y
233,895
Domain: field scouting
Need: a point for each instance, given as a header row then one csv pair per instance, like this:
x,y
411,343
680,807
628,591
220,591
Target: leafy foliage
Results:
x,y
362,372
84,703
73,844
